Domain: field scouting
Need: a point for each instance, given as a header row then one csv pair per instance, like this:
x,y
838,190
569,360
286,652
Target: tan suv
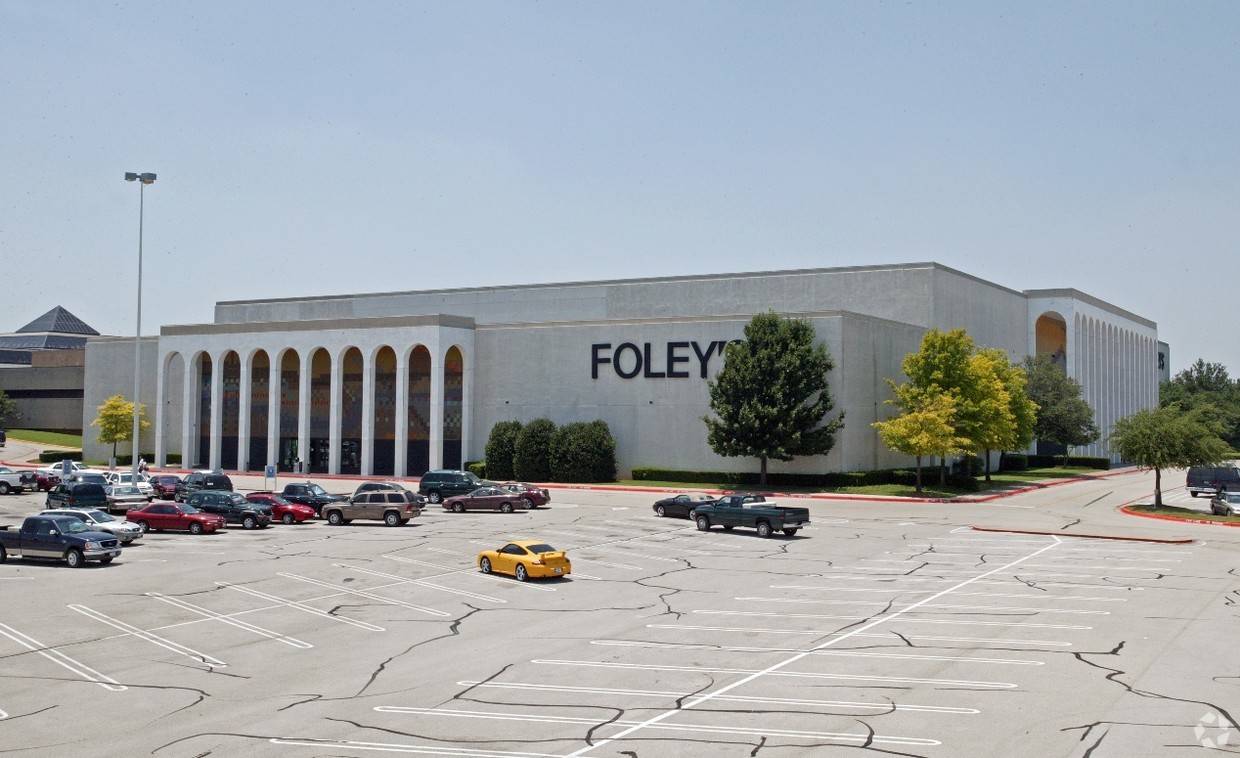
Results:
x,y
392,507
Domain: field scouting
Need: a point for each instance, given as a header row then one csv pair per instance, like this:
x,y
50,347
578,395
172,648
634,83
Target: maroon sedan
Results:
x,y
486,499
535,496
281,509
38,480
159,516
165,486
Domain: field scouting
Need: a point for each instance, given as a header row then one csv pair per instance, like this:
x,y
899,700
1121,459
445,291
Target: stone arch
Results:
x,y
383,436
203,366
288,408
418,418
230,408
1051,338
352,382
259,392
173,377
318,456
453,406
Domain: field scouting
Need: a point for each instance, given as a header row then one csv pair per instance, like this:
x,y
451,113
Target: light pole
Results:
x,y
142,180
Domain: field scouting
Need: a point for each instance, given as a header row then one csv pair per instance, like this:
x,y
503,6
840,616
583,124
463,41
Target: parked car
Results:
x,y
763,516
486,498
77,495
309,493
10,481
393,507
89,477
524,559
1207,480
101,521
233,507
439,484
1225,504
386,486
683,505
58,538
175,516
4,438
126,477
282,510
165,486
36,480
201,480
58,469
122,497
533,496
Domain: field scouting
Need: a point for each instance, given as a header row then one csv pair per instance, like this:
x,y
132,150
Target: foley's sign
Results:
x,y
672,360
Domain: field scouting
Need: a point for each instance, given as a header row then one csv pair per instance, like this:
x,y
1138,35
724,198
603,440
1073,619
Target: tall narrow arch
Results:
x,y
203,390
1051,338
453,406
318,456
383,461
289,409
352,371
230,408
173,416
260,409
418,446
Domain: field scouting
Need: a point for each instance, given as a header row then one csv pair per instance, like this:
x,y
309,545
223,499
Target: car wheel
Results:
x,y
4,488
106,560
74,558
703,523
248,522
728,527
335,518
287,518
485,565
764,529
145,527
458,507
434,496
693,515
791,531
1194,494
521,573
526,503
506,507
661,511
4,554
195,527
391,518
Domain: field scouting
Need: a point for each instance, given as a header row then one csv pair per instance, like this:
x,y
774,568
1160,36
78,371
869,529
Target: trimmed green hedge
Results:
x,y
502,447
1076,461
583,451
56,456
478,468
907,477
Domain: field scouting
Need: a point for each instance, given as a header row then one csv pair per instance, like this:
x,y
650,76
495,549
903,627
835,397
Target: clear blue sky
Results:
x,y
328,147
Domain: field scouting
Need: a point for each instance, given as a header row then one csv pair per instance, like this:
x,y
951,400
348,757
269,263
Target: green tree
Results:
x,y
771,397
1207,384
1064,418
501,446
115,421
8,410
583,451
1168,437
943,366
531,459
926,430
1007,413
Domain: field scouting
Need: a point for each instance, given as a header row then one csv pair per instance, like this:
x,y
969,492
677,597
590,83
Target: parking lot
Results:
x,y
890,628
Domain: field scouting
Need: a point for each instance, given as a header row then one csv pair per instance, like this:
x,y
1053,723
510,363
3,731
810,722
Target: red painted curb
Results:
x,y
1086,536
1180,519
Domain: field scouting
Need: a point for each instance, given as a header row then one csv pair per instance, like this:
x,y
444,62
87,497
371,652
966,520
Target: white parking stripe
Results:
x,y
301,607
911,620
62,660
363,593
867,738
167,644
889,637
882,707
998,609
471,571
392,747
1022,595
420,583
837,653
231,621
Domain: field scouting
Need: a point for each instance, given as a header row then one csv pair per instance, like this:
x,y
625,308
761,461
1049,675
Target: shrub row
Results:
x,y
56,456
749,479
1077,461
540,451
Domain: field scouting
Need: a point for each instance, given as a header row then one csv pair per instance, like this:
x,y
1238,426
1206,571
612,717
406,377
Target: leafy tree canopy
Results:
x,y
1168,437
8,410
771,398
1207,384
115,421
1063,418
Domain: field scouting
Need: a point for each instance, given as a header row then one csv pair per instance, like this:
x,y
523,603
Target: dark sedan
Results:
x,y
486,499
682,505
534,496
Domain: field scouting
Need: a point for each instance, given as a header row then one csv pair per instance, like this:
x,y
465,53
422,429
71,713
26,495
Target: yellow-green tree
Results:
x,y
1005,414
115,421
926,429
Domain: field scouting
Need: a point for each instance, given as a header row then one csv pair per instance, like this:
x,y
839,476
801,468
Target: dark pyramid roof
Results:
x,y
57,320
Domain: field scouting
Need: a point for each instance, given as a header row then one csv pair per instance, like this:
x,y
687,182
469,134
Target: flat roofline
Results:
x,y
615,282
324,324
1096,302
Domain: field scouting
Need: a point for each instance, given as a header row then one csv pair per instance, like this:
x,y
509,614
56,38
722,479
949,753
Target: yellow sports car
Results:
x,y
524,559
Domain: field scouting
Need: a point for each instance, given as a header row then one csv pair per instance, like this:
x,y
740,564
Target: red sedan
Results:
x,y
281,509
535,496
487,498
177,516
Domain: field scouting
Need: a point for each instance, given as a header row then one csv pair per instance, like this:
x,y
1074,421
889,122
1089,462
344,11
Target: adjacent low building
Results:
x,y
42,368
398,383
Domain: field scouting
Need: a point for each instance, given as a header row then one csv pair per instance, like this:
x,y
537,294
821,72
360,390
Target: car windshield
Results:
x,y
316,489
76,527
99,516
126,489
187,508
1233,497
540,548
236,499
472,478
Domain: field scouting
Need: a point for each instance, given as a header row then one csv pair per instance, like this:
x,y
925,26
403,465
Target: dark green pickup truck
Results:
x,y
766,517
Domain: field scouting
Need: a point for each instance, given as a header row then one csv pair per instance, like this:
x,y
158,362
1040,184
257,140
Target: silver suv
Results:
x,y
392,507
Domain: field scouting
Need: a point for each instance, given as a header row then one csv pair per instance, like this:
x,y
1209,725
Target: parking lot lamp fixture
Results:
x,y
142,179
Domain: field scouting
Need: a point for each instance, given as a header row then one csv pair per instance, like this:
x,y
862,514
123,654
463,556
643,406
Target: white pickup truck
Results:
x,y
10,481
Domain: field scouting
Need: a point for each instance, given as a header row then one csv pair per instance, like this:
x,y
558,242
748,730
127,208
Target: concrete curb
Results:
x,y
1128,510
1184,541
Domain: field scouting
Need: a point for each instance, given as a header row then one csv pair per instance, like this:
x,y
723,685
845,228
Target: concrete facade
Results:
x,y
394,383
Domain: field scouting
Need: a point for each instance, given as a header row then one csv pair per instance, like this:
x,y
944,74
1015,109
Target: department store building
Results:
x,y
394,384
